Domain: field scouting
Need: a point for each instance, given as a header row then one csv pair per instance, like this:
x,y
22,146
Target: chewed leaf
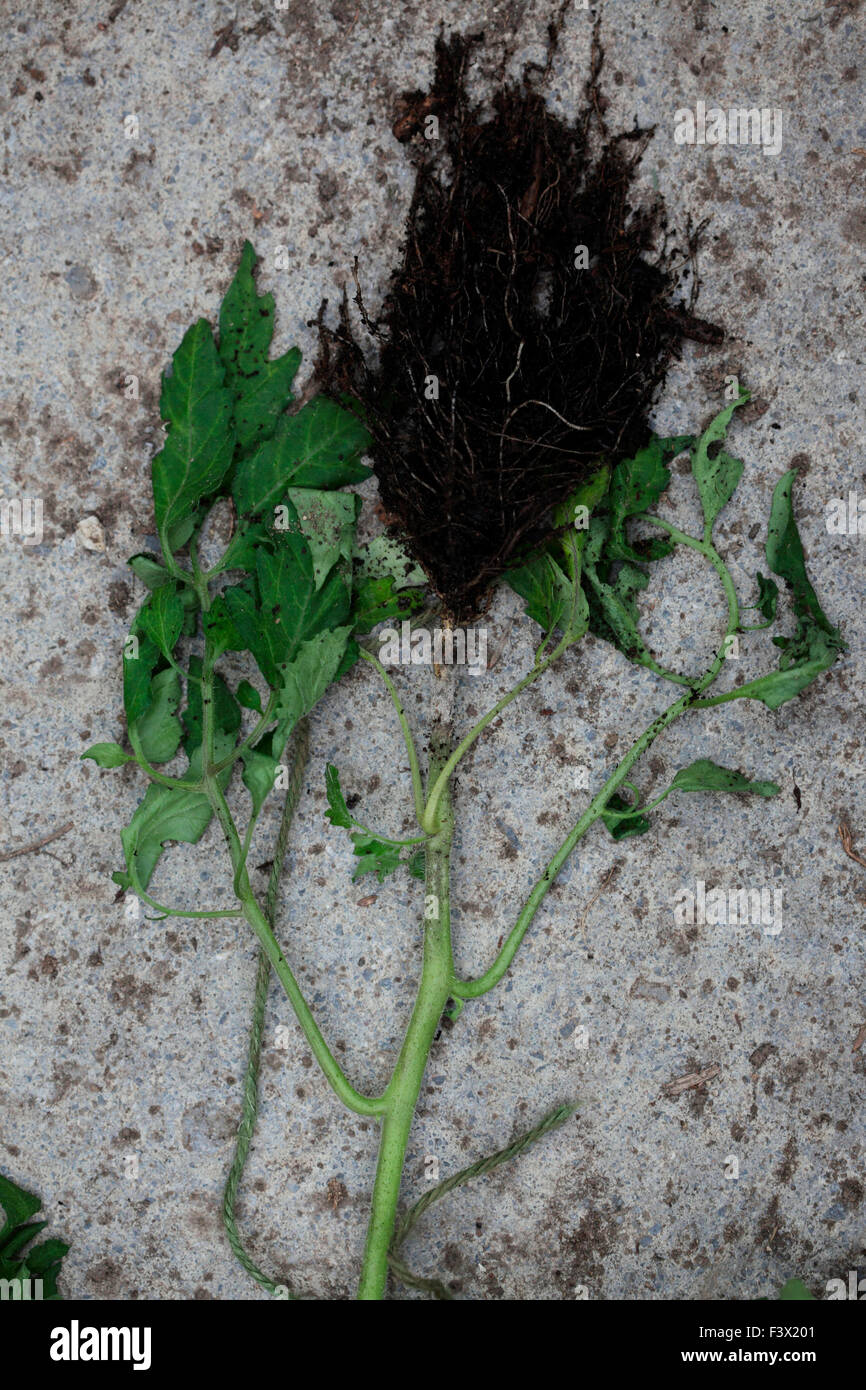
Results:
x,y
166,813
376,600
817,643
197,408
261,386
717,477
337,812
707,776
108,755
383,556
320,447
636,484
327,519
226,714
768,597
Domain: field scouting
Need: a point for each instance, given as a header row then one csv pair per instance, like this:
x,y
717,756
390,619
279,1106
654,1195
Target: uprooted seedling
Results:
x,y
488,484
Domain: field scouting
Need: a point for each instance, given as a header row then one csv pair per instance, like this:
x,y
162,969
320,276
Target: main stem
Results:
x,y
434,990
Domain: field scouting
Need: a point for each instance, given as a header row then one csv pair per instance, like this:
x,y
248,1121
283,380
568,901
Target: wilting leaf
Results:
x,y
226,714
717,477
623,827
337,812
307,676
636,484
707,776
148,570
249,697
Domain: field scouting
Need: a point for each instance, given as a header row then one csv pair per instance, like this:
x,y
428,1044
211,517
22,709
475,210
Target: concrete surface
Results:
x,y
123,1040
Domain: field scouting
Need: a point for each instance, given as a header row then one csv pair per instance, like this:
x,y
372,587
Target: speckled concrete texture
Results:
x,y
142,143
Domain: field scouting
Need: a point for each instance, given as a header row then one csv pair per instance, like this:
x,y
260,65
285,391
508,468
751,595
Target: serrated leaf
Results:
x,y
545,589
717,477
707,776
285,609
337,812
376,600
107,755
161,618
166,813
306,678
261,386
197,407
158,728
320,447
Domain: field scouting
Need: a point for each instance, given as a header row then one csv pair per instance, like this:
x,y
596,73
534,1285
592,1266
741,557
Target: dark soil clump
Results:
x,y
506,367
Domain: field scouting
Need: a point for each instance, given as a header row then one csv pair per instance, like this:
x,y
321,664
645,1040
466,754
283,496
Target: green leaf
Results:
x,y
317,448
417,865
259,774
545,588
636,484
166,813
786,558
148,570
158,728
623,827
108,755
261,387
795,1289
198,450
768,597
249,697
337,812
306,678
137,672
376,600
384,556
161,618
374,857
227,715
328,520
817,643
717,477
285,609
707,776
18,1205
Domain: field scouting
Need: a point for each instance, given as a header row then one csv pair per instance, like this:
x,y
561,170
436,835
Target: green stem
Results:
x,y
473,989
428,817
434,990
417,790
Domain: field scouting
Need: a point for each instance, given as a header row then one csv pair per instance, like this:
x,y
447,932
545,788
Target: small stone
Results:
x,y
89,531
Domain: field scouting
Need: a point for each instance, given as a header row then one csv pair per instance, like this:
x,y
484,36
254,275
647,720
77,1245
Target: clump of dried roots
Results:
x,y
505,372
